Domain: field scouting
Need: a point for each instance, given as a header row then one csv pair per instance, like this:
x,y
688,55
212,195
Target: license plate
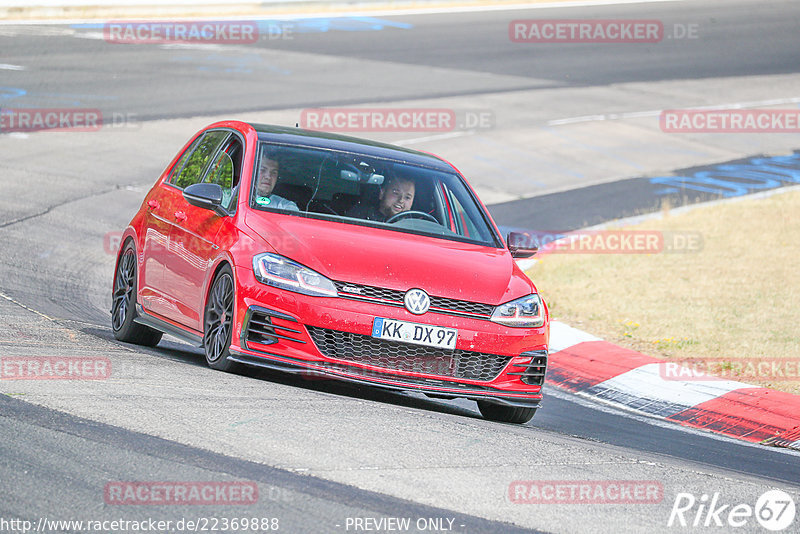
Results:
x,y
416,333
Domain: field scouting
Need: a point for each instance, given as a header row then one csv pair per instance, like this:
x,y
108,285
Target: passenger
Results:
x,y
267,178
396,196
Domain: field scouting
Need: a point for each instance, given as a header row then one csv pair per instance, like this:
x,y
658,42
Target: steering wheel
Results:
x,y
412,213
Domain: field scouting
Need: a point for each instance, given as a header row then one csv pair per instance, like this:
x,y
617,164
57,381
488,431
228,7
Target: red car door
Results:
x,y
192,240
156,238
155,242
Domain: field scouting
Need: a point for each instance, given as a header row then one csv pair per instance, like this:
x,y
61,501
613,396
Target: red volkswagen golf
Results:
x,y
329,255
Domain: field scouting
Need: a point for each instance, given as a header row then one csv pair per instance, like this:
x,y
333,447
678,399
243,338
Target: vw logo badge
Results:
x,y
417,301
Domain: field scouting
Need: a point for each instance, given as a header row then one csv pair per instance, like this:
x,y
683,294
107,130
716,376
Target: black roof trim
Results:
x,y
333,141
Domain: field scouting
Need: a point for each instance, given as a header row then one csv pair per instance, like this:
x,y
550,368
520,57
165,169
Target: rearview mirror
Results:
x,y
206,196
357,176
518,245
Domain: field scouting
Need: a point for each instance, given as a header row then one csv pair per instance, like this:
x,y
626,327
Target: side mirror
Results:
x,y
516,242
206,196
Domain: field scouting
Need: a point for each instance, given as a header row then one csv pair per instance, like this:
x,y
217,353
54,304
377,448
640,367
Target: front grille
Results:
x,y
398,356
371,292
393,297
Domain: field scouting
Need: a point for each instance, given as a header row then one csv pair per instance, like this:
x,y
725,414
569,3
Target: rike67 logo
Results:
x,y
774,511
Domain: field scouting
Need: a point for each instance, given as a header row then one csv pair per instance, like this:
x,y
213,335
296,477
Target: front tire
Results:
x,y
218,321
123,307
505,414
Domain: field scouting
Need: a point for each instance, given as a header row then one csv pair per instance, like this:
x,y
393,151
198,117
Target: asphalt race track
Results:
x,y
573,139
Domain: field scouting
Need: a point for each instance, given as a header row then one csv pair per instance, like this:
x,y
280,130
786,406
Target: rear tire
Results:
x,y
505,414
218,322
123,307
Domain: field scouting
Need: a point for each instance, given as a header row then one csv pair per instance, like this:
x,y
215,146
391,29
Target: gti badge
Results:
x,y
417,301
352,289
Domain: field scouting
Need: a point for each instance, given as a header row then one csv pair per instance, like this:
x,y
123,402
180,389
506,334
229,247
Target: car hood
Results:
x,y
395,260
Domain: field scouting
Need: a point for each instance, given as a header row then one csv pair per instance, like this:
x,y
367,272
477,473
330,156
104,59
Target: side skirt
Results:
x,y
146,319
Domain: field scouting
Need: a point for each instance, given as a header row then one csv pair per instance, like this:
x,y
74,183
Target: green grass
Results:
x,y
736,298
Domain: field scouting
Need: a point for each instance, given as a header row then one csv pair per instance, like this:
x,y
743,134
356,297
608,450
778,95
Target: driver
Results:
x,y
267,178
396,196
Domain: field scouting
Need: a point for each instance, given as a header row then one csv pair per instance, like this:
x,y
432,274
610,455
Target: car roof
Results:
x,y
299,137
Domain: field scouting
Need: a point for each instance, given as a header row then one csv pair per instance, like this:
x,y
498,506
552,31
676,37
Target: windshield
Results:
x,y
365,190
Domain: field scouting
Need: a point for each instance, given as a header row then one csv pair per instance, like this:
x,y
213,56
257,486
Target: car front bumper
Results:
x,y
329,337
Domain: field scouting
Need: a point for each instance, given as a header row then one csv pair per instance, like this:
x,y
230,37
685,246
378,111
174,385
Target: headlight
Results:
x,y
526,312
284,273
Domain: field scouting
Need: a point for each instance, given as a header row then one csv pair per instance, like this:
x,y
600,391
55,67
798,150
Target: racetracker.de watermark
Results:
x,y
701,369
113,239
434,366
432,120
166,32
610,241
180,493
28,120
730,121
54,368
586,492
597,31
196,32
585,31
55,119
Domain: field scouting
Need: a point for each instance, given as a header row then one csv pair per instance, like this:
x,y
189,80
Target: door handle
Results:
x,y
153,204
180,216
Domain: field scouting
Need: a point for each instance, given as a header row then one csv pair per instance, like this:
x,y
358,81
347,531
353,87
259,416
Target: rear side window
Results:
x,y
196,159
176,170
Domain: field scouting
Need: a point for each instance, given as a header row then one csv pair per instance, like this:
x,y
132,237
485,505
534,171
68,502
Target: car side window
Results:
x,y
463,223
461,214
195,163
182,161
225,172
